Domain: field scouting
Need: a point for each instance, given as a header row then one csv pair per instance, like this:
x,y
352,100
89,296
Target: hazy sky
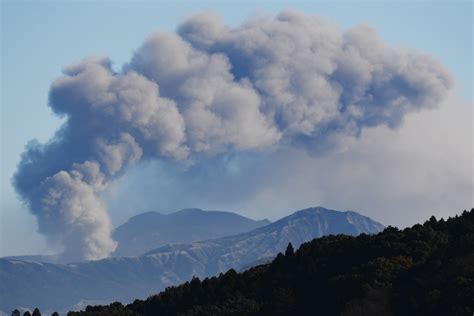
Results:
x,y
39,38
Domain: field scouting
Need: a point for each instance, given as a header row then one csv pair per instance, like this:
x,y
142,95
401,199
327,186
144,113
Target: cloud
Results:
x,y
294,82
399,177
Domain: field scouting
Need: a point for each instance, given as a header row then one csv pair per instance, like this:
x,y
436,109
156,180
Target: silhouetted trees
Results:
x,y
289,250
36,312
423,270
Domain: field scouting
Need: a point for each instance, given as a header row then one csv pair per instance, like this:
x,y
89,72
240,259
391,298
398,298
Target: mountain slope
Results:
x,y
147,231
424,270
215,256
36,258
60,286
150,230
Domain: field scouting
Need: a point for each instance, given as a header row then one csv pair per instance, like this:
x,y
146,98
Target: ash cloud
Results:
x,y
210,90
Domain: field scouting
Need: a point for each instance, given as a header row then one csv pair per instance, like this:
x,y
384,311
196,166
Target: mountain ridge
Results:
x,y
149,230
240,250
126,278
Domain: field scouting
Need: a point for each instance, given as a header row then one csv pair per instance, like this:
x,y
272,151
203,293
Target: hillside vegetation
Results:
x,y
427,269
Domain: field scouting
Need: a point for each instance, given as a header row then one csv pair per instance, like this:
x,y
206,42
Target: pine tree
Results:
x,y
289,250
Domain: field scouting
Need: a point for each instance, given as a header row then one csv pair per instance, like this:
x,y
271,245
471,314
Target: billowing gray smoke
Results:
x,y
295,80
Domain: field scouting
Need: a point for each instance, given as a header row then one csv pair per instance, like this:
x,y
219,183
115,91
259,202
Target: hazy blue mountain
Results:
x,y
147,231
63,286
150,230
213,256
36,258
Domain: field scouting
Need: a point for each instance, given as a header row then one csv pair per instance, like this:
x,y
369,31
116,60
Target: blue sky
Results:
x,y
39,38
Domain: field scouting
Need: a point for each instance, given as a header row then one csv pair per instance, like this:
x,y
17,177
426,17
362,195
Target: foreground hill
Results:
x,y
424,270
147,231
62,286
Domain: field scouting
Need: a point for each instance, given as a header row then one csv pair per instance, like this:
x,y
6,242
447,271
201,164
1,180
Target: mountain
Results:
x,y
147,231
60,286
423,270
36,258
210,257
150,230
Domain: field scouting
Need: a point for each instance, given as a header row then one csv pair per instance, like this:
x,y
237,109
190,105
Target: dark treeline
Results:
x,y
427,269
36,312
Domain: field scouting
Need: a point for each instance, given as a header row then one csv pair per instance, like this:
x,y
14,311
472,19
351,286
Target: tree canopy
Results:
x,y
427,269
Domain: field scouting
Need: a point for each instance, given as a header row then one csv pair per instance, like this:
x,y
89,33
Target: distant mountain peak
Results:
x,y
268,240
151,230
150,214
319,210
191,210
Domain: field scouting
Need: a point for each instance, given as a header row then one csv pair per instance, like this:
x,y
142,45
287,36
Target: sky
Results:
x,y
39,38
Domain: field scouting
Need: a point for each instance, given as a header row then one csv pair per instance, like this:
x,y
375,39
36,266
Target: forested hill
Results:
x,y
427,269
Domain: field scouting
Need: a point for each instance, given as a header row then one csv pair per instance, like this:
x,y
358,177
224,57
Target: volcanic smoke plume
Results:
x,y
295,80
